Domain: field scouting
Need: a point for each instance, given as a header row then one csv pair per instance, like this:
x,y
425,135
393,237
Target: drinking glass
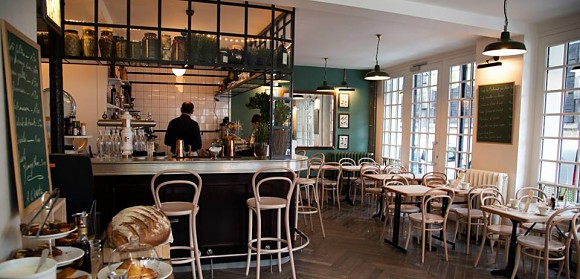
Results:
x,y
215,150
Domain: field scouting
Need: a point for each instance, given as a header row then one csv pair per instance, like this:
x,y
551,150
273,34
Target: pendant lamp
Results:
x,y
575,69
376,74
344,84
325,87
178,71
505,46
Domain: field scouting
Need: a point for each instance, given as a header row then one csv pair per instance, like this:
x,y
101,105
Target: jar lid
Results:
x,y
150,35
106,30
69,31
88,29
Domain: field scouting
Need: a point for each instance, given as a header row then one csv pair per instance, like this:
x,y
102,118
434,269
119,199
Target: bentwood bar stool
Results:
x,y
160,183
260,181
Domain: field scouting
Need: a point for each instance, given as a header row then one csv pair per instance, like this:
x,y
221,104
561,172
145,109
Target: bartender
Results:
x,y
184,128
256,119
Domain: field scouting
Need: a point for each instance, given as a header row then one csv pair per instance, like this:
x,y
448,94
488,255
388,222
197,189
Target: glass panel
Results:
x,y
81,10
573,52
553,102
556,55
312,118
174,15
144,13
569,151
548,172
551,126
566,174
554,80
550,149
205,17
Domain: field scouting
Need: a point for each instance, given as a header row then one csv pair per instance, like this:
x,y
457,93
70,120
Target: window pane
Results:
x,y
573,52
556,55
554,81
548,171
553,102
569,151
550,149
566,174
551,126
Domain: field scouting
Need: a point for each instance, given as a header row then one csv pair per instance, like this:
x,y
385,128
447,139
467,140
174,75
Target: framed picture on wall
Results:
x,y
343,120
343,100
342,141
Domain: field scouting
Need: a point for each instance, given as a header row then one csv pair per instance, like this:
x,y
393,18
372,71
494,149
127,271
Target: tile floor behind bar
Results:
x,y
353,248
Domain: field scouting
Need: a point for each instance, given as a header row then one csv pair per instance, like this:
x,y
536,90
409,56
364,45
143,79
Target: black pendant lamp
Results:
x,y
325,87
344,84
505,46
575,69
377,74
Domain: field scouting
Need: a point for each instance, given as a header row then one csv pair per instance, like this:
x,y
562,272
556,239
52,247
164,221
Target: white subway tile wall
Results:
x,y
164,100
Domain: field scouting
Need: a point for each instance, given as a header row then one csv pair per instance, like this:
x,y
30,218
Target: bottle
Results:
x,y
113,96
116,144
108,144
126,135
83,243
101,145
83,129
282,57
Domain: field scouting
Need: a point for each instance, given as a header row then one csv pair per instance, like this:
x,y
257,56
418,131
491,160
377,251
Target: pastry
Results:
x,y
147,223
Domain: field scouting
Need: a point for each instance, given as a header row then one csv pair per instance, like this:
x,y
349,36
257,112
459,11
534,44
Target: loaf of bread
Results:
x,y
147,223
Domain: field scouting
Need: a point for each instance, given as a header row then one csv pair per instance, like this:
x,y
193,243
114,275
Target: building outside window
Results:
x,y
423,120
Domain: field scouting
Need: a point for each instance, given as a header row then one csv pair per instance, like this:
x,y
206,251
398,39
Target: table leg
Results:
x,y
507,271
347,190
396,223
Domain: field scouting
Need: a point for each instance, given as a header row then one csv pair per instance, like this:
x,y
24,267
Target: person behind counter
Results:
x,y
249,151
184,128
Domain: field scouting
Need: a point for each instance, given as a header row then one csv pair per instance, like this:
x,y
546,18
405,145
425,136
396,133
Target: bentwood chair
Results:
x,y
531,195
260,181
389,202
368,187
550,246
572,245
366,160
495,232
180,179
308,196
470,215
330,178
348,177
434,178
428,222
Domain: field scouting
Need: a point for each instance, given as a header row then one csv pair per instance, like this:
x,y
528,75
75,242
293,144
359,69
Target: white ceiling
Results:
x,y
344,30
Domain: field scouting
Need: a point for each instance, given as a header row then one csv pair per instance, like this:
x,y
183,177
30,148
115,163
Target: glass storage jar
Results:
x,y
150,46
134,259
166,47
72,43
178,49
88,42
136,49
106,43
120,47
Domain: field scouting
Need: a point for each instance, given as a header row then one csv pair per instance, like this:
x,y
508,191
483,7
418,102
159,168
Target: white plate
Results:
x,y
69,255
159,157
50,236
140,157
165,270
79,273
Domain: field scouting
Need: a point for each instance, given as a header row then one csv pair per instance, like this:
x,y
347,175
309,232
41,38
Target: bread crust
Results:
x,y
148,223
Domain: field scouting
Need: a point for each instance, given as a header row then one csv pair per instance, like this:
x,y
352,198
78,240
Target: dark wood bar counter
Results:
x,y
222,222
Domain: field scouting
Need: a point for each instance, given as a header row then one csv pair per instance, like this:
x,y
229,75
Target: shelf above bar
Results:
x,y
119,122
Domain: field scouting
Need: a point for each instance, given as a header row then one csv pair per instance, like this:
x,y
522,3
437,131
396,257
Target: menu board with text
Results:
x,y
21,59
495,105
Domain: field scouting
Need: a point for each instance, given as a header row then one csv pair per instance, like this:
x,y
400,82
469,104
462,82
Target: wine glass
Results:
x,y
215,150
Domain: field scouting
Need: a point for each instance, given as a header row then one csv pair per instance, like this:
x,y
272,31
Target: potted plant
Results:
x,y
261,101
262,136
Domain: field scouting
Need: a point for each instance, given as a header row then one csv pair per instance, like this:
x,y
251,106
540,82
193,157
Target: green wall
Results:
x,y
307,79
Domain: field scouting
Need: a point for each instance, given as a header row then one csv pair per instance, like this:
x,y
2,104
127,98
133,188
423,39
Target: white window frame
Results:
x,y
392,119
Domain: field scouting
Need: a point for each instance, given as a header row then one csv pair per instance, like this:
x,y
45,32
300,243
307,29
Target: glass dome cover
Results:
x,y
134,260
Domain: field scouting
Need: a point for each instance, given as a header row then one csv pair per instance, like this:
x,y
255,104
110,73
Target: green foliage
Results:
x,y
281,112
262,134
261,102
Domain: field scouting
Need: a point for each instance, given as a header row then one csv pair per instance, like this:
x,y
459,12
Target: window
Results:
x,y
560,135
423,115
392,121
460,119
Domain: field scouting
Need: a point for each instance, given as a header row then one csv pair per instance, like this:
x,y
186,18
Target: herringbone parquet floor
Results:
x,y
353,248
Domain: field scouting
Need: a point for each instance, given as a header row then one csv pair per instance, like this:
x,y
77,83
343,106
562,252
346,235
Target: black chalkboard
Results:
x,y
24,97
495,105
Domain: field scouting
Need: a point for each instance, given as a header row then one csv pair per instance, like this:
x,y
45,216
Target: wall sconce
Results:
x,y
178,71
492,64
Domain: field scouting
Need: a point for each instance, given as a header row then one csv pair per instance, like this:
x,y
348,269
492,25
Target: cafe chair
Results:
x,y
389,199
307,196
494,231
261,182
470,215
178,181
572,243
434,177
330,178
368,187
531,195
549,247
350,178
429,222
319,156
366,160
395,168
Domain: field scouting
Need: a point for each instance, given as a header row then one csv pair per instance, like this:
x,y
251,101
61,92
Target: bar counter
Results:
x,y
223,217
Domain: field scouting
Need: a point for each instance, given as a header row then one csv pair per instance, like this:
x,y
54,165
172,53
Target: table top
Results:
x,y
409,190
515,214
386,176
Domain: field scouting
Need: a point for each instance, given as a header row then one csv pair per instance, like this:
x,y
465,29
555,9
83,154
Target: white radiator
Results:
x,y
482,177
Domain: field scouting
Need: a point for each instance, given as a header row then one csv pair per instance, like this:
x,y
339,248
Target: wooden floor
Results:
x,y
353,248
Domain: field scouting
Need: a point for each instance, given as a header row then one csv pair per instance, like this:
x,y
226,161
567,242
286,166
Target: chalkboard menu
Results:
x,y
495,113
22,79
